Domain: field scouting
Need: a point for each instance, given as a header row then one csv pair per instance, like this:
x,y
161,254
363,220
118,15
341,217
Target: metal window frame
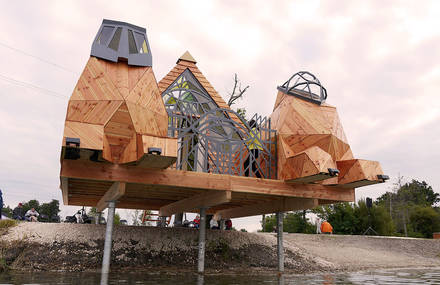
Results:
x,y
203,147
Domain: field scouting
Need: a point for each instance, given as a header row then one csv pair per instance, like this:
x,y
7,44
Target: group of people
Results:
x,y
19,214
213,223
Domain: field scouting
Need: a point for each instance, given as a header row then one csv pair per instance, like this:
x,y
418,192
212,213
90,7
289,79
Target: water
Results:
x,y
401,276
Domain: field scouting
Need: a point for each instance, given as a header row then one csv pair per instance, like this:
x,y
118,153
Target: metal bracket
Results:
x,y
155,150
383,177
333,171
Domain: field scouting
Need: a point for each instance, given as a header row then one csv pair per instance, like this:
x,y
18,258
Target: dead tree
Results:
x,y
237,92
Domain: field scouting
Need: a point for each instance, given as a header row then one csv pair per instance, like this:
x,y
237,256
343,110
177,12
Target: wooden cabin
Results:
x,y
176,146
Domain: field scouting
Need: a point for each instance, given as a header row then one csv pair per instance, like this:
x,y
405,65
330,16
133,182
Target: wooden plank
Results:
x,y
198,180
204,200
116,191
95,84
64,186
156,161
90,135
168,145
282,205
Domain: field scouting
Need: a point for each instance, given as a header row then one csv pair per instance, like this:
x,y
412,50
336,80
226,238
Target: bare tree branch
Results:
x,y
233,96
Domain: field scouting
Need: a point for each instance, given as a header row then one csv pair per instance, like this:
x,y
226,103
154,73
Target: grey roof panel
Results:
x,y
101,48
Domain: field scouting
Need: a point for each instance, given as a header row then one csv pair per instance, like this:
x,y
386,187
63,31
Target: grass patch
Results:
x,y
6,224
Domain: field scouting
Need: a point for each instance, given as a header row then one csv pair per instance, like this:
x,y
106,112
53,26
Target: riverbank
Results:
x,y
73,247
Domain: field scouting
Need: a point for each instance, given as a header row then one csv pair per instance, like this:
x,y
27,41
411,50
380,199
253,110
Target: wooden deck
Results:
x,y
86,183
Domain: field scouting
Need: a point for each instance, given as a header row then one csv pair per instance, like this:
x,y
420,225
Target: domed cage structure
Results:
x,y
120,41
306,86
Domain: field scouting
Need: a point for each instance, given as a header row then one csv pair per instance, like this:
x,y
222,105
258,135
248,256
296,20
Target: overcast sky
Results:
x,y
379,61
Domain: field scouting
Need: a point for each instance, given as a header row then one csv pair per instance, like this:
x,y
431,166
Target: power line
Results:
x,y
32,86
37,57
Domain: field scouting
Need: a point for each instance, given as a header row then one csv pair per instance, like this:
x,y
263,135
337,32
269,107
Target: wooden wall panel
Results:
x,y
90,135
168,145
95,84
92,111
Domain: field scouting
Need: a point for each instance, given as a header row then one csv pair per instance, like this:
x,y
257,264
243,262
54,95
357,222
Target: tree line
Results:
x,y
411,210
48,210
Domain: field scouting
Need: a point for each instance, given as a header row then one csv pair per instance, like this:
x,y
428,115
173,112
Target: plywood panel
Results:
x,y
95,84
92,111
90,135
168,145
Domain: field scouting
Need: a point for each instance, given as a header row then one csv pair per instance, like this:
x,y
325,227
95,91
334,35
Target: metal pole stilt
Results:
x,y
108,242
98,218
202,241
222,224
280,247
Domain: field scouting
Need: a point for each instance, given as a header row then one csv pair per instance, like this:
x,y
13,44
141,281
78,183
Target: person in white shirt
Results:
x,y
318,225
79,217
213,224
32,215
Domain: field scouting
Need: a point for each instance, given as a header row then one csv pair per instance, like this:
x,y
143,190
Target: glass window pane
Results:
x,y
131,43
105,34
114,44
140,39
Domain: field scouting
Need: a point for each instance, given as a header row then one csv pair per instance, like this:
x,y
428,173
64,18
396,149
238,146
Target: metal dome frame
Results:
x,y
302,85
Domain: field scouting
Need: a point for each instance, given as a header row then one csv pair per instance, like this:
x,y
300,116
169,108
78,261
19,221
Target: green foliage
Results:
x,y
50,209
425,221
293,222
411,210
296,222
5,224
117,219
7,212
270,224
243,230
242,113
412,193
31,204
349,218
92,212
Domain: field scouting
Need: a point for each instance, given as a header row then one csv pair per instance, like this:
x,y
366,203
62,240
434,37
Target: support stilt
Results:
x,y
222,224
178,220
280,247
98,218
108,242
162,221
202,240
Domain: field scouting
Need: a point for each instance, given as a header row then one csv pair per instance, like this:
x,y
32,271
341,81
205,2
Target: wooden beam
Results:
x,y
282,205
116,191
204,200
64,186
199,180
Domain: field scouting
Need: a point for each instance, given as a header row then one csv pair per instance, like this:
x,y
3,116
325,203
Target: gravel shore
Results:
x,y
73,247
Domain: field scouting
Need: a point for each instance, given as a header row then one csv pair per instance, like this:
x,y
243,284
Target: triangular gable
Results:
x,y
182,64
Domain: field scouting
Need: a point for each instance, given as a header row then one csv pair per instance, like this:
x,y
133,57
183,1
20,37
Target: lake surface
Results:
x,y
401,276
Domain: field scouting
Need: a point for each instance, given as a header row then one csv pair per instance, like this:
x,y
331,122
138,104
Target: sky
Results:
x,y
378,60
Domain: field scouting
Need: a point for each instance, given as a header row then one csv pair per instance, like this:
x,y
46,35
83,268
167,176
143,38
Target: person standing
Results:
x,y
254,144
318,225
1,203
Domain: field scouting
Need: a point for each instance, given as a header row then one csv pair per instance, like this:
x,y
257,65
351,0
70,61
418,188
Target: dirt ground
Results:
x,y
73,247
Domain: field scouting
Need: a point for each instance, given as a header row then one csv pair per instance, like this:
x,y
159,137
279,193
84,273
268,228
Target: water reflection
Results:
x,y
406,276
328,280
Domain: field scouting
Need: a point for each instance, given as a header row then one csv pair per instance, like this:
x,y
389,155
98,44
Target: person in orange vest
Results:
x,y
326,228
